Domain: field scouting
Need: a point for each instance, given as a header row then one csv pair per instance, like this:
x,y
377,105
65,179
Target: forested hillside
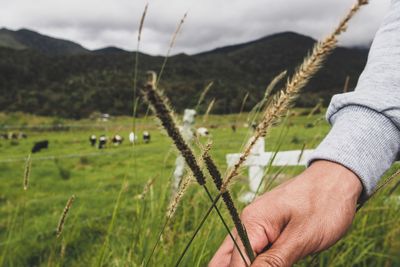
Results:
x,y
75,84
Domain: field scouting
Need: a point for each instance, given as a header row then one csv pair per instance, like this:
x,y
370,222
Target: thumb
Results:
x,y
290,247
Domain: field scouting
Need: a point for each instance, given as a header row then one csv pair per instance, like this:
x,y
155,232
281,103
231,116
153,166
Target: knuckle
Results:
x,y
247,213
271,260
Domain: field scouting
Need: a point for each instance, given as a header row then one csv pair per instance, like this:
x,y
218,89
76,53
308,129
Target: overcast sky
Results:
x,y
210,23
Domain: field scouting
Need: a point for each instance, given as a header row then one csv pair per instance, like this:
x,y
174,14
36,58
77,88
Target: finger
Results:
x,y
260,230
257,239
291,246
223,255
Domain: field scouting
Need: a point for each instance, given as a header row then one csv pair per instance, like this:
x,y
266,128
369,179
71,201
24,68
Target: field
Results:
x,y
122,194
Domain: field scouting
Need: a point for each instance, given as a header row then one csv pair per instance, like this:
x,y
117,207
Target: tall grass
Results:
x,y
106,229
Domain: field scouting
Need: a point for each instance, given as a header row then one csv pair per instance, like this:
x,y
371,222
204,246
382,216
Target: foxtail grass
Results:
x,y
135,74
184,185
63,217
284,99
102,251
203,95
209,108
268,91
246,96
272,85
146,189
161,110
227,198
317,107
27,171
171,45
346,84
380,188
167,121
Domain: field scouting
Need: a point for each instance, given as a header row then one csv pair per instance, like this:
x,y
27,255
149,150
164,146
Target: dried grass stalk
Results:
x,y
209,108
273,84
311,64
203,95
171,45
27,171
184,185
346,84
63,217
176,33
146,189
142,22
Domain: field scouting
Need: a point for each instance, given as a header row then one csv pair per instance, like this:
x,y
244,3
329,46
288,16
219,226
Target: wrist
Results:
x,y
335,178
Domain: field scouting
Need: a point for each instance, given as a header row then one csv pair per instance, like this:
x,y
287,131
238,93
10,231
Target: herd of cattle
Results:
x,y
13,136
99,142
117,139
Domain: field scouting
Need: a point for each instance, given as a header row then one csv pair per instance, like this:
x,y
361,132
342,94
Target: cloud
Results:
x,y
210,23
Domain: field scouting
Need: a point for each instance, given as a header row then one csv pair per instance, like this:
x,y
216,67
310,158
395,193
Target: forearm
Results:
x,y
365,136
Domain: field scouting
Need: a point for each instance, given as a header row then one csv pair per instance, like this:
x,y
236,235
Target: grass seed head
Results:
x,y
27,171
63,217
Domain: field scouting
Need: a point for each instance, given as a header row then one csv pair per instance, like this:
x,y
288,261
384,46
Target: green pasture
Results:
x,y
111,223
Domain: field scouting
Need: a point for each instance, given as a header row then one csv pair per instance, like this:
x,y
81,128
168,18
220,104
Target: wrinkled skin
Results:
x,y
305,215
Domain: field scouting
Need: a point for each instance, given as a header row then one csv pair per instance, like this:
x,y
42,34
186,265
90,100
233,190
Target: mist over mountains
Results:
x,y
49,76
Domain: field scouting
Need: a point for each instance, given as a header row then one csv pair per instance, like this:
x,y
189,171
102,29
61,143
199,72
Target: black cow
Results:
x,y
40,145
146,137
117,140
93,140
102,141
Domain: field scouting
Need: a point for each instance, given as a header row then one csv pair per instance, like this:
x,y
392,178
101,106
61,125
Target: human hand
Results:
x,y
305,215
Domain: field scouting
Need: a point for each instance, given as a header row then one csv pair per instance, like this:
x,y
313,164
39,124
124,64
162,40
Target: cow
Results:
x,y
22,135
102,141
146,137
117,140
92,140
202,131
13,136
233,127
132,137
40,145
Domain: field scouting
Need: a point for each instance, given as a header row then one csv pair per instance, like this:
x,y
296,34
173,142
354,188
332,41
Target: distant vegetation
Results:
x,y
48,76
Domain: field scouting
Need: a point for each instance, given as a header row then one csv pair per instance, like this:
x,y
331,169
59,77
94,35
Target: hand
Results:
x,y
305,215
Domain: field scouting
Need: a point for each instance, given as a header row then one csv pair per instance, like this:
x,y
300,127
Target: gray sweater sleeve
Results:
x,y
365,134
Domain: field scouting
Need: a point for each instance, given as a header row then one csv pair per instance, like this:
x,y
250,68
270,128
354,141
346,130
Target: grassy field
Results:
x,y
113,222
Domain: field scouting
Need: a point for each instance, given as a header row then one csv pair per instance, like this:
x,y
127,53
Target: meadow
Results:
x,y
122,195
118,198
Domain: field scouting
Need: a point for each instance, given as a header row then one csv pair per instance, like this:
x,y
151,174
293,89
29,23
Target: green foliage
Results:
x,y
109,219
77,85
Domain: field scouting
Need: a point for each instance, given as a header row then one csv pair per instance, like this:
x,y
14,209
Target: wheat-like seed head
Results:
x,y
177,31
209,108
27,172
203,95
273,84
146,189
61,222
311,64
184,185
142,22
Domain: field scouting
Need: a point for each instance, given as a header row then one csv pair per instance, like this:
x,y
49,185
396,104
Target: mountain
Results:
x,y
76,85
27,39
109,50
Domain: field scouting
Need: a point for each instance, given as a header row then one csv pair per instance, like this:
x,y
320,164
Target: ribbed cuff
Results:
x,y
362,140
